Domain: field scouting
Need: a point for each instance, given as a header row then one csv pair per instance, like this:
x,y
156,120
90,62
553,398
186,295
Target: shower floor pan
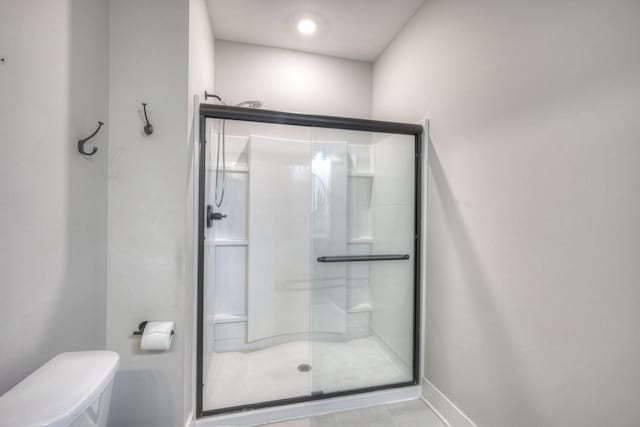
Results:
x,y
241,378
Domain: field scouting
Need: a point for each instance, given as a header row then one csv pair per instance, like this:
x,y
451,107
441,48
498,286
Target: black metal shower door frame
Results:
x,y
211,111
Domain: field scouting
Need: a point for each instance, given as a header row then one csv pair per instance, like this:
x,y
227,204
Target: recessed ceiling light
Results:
x,y
307,26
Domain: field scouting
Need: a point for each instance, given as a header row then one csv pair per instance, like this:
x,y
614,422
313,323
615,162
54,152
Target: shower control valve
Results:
x,y
213,216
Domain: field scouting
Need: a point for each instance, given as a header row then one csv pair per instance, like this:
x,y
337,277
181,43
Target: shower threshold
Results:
x,y
310,408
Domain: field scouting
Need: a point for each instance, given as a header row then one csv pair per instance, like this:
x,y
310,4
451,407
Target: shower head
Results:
x,y
250,104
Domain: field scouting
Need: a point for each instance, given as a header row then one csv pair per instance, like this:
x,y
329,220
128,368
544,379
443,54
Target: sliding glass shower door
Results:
x,y
308,272
363,249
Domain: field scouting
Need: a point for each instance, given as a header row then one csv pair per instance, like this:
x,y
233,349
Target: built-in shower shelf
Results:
x,y
227,242
361,174
360,240
227,318
360,308
233,168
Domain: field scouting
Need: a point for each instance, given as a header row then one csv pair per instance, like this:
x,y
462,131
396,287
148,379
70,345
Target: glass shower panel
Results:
x,y
308,274
257,271
329,235
363,207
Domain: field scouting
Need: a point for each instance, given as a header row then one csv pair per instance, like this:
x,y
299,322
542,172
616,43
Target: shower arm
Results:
x,y
208,95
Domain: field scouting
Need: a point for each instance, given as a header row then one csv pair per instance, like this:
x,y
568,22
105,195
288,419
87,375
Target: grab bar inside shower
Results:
x,y
359,258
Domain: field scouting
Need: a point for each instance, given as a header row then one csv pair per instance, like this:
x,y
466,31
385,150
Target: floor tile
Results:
x,y
323,421
373,416
411,413
305,422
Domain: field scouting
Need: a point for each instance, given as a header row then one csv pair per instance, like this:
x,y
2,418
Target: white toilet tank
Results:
x,y
70,390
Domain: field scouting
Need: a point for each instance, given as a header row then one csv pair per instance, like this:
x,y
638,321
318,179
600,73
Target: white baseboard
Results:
x,y
309,409
444,408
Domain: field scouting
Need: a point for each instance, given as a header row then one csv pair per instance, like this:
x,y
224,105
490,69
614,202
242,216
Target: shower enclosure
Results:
x,y
309,267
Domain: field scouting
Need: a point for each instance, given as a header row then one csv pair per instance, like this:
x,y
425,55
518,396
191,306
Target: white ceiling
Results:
x,y
354,29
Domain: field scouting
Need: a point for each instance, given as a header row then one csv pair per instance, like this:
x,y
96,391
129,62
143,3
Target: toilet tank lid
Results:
x,y
60,390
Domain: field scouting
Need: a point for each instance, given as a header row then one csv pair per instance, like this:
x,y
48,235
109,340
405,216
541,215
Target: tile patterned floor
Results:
x,y
412,413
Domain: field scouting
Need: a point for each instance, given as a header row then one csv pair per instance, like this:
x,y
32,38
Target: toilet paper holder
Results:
x,y
141,327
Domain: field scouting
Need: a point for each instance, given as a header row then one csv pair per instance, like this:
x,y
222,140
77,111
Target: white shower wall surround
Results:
x,y
279,241
281,207
279,271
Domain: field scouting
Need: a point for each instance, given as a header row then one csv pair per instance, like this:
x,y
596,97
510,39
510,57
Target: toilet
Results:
x,y
70,390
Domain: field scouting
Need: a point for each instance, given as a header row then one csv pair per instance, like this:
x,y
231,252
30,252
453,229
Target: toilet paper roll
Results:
x,y
157,336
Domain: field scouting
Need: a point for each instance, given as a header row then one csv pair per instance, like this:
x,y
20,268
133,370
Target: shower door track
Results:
x,y
211,111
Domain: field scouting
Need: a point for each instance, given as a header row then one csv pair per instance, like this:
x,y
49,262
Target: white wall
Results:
x,y
293,81
149,240
54,89
534,213
202,47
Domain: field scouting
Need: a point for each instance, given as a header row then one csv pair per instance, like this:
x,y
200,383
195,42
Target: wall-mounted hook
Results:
x,y
83,141
148,128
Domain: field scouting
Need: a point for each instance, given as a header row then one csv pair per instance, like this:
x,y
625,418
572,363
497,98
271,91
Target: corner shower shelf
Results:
x,y
227,318
233,168
361,174
360,308
360,240
227,242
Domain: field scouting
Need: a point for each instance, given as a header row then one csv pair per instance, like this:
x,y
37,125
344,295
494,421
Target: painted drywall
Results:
x,y
149,244
293,81
53,201
201,78
534,215
202,46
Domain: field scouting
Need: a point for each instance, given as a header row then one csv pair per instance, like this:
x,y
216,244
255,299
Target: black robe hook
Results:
x,y
148,128
83,141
